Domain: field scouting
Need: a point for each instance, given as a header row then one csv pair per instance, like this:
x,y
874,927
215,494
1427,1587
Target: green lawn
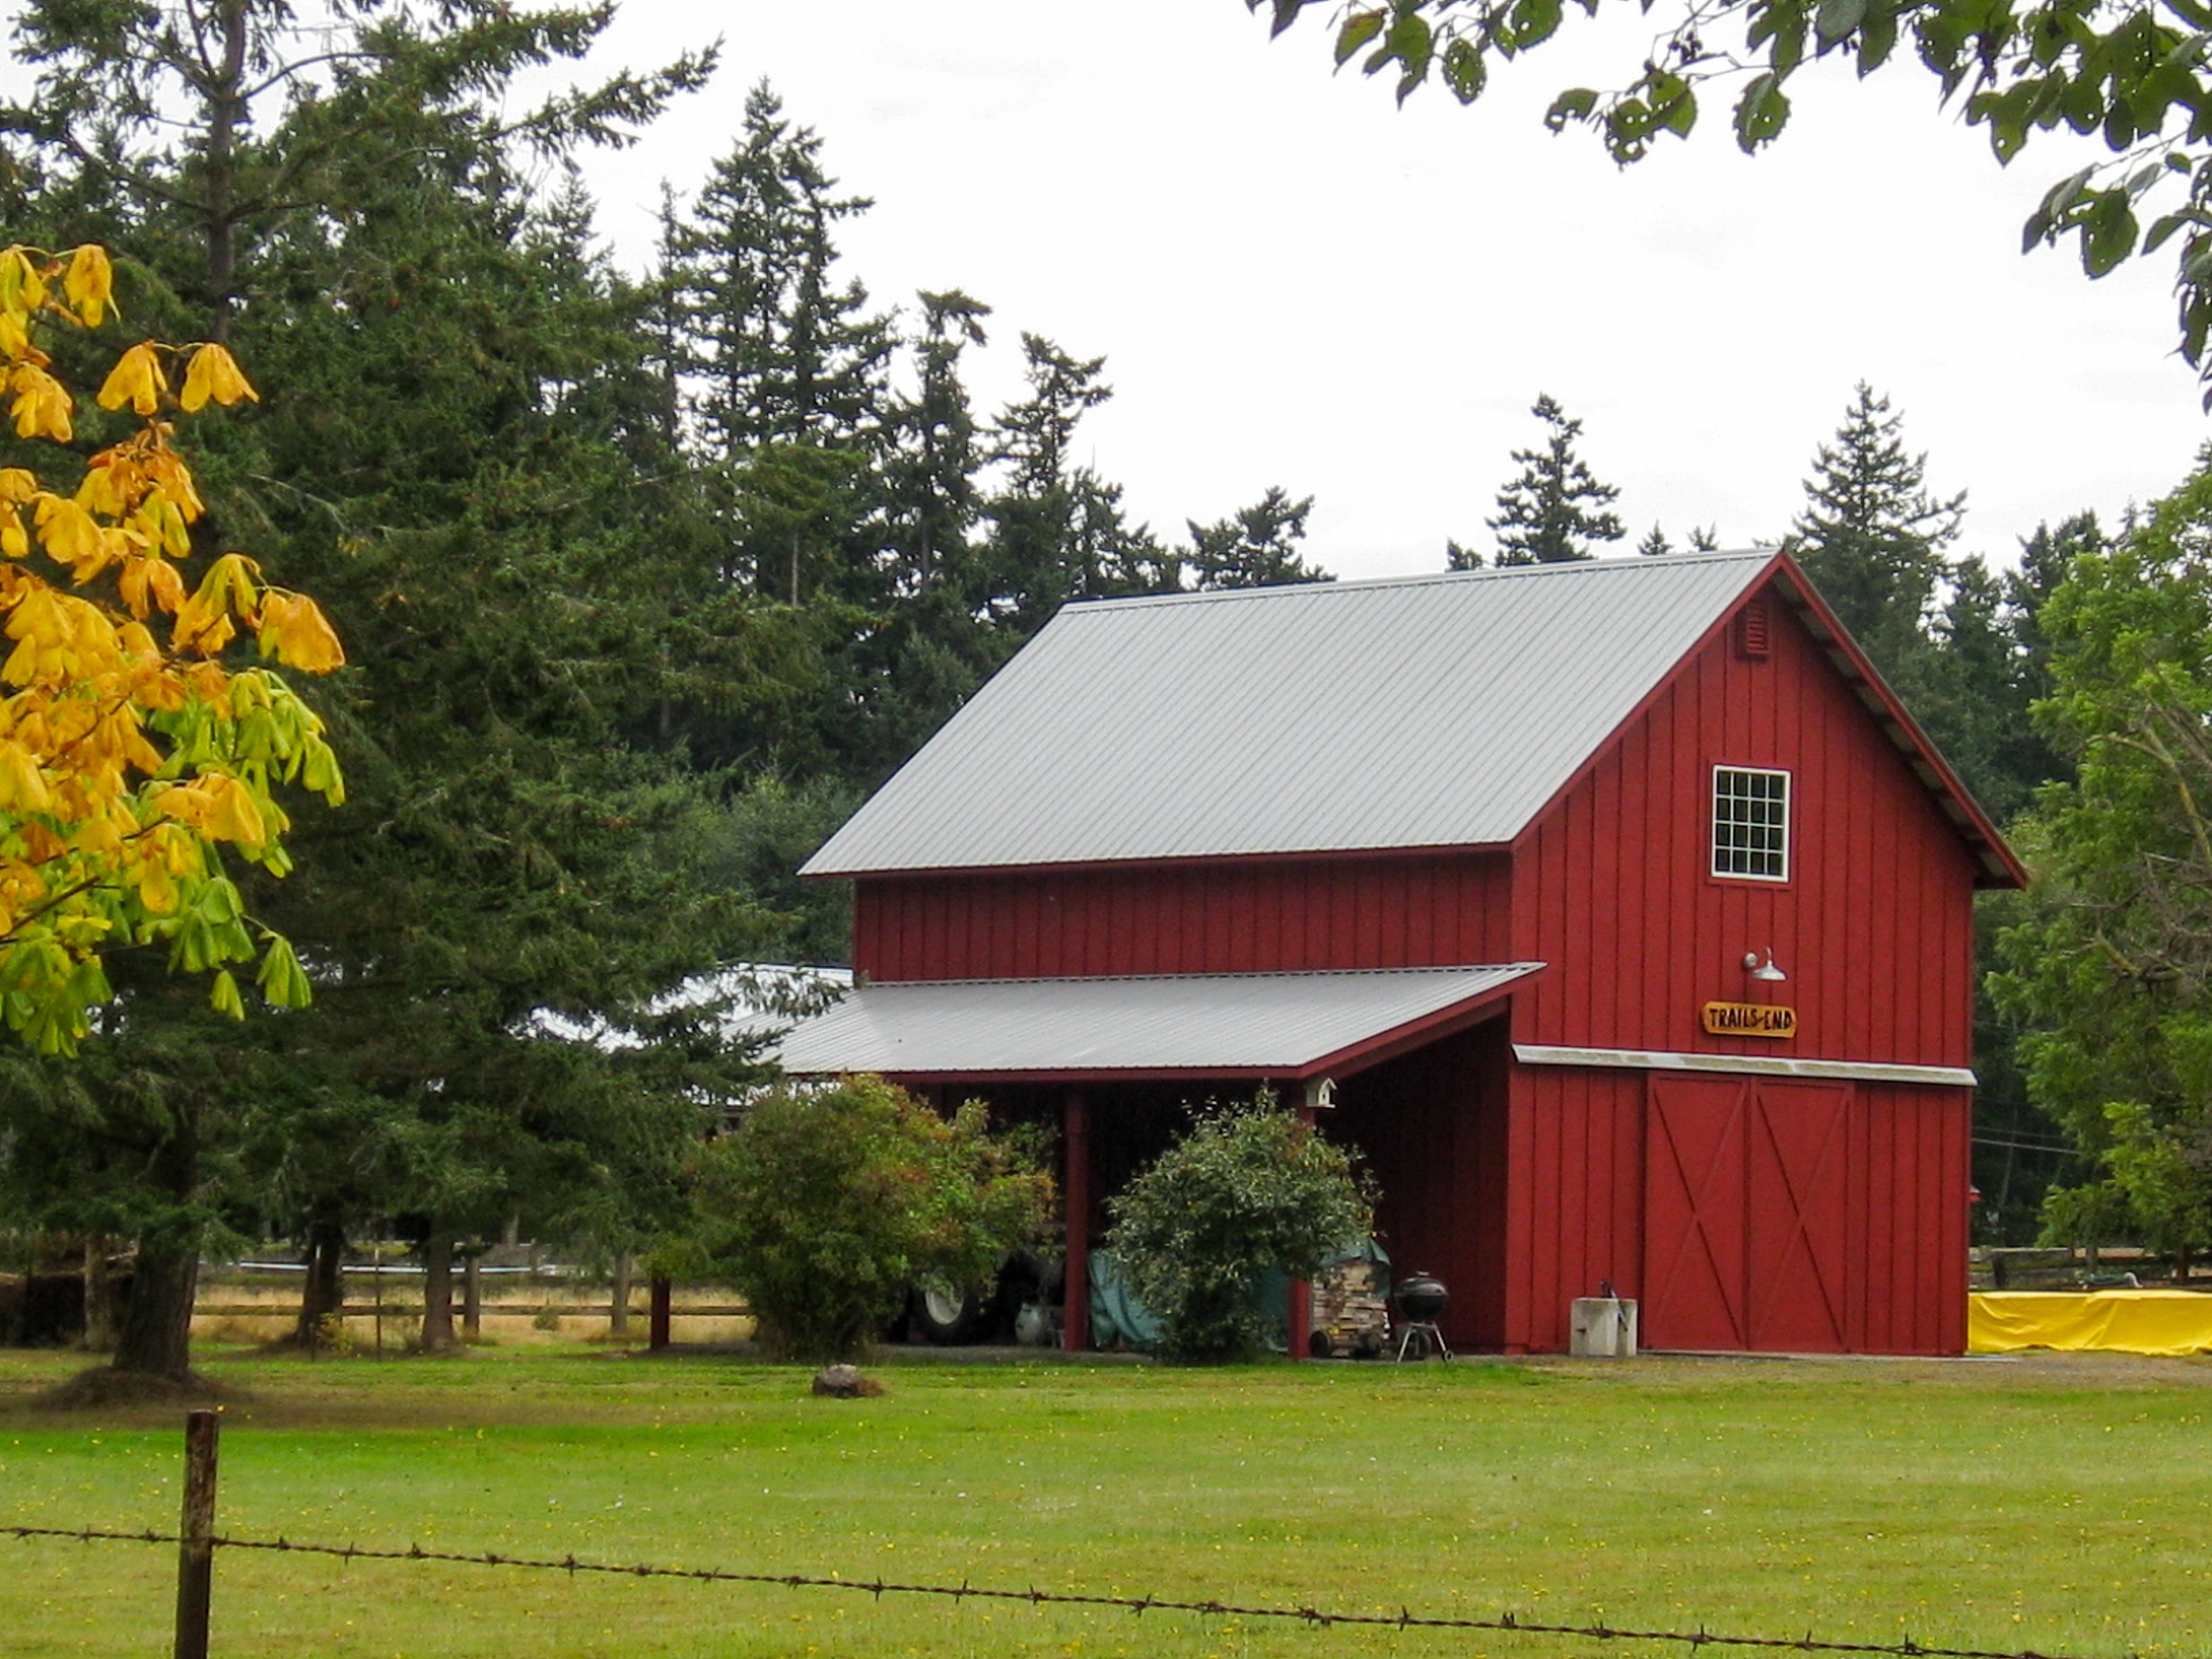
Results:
x,y
2059,1504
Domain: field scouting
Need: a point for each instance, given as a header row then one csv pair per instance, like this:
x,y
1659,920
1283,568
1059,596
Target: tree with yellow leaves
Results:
x,y
132,758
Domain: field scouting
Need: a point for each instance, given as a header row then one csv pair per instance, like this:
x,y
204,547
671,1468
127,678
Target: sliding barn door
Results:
x,y
1744,1218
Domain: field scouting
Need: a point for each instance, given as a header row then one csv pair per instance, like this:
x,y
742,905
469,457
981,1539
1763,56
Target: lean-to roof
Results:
x,y
1284,1025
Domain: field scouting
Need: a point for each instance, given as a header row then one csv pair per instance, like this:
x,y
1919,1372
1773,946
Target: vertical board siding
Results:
x,y
1576,1205
1432,1124
1611,887
1390,911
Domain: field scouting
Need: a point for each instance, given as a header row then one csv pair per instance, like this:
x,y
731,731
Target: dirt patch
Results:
x,y
104,1388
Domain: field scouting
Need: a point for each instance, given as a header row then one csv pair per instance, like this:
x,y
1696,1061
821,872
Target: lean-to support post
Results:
x,y
1075,1187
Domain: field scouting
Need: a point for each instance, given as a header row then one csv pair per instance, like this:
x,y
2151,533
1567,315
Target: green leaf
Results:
x,y
223,997
1877,38
1760,112
2108,233
1285,13
1531,22
282,983
1464,72
1783,24
1411,42
2162,229
1836,19
1358,29
1574,104
1673,104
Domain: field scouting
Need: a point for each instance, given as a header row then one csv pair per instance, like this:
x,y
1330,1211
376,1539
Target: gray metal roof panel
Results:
x,y
1265,1023
1428,711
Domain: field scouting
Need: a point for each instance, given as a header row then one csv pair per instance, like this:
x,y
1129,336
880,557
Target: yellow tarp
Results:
x,y
2130,1321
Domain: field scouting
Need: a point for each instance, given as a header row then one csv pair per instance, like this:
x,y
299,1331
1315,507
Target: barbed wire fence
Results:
x,y
197,1542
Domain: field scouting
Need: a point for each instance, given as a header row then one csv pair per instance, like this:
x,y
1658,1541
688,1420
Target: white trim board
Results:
x,y
1747,1064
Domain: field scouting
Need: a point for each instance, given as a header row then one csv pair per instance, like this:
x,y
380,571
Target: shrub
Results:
x,y
824,1207
1246,1188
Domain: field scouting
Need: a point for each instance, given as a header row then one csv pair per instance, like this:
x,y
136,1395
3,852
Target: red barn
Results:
x,y
1617,911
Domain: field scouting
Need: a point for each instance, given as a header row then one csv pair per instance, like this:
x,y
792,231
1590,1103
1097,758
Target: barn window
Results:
x,y
1751,823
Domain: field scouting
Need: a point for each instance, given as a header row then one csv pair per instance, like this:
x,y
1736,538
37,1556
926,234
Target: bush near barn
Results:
x,y
824,1207
1246,1188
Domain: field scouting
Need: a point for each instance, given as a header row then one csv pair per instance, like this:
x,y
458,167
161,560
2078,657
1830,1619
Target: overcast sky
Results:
x,y
1294,281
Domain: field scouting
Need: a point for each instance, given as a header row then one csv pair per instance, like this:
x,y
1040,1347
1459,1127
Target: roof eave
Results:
x,y
1082,866
1996,865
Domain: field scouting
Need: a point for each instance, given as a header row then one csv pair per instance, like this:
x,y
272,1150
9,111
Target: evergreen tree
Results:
x,y
1872,538
1057,530
1555,508
780,350
1655,544
1256,547
456,439
783,365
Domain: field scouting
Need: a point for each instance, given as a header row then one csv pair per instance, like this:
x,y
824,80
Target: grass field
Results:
x,y
2059,1503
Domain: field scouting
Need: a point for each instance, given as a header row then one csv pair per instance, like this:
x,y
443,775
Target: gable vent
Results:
x,y
1754,630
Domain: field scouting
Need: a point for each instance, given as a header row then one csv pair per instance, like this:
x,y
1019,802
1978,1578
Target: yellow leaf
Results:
x,y
214,373
136,379
90,284
295,631
72,535
235,817
157,888
22,785
103,488
41,408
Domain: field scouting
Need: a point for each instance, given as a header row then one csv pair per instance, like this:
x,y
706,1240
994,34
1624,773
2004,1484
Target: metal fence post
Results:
x,y
196,1542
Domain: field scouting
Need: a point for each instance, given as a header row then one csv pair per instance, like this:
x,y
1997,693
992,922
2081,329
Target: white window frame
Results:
x,y
1728,793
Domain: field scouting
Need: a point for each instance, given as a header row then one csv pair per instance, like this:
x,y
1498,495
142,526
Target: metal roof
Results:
x,y
1254,1025
1429,712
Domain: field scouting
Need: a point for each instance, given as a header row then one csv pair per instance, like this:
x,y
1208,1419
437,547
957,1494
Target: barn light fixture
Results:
x,y
1765,970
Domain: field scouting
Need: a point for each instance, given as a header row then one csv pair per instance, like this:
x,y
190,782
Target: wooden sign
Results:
x,y
1749,1019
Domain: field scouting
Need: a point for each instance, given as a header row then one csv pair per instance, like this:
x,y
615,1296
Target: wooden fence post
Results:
x,y
663,1296
196,1545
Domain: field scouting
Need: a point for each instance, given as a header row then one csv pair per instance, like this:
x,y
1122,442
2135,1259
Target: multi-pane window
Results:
x,y
1751,823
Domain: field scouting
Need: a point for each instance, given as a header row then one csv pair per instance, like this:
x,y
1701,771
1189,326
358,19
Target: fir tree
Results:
x,y
780,351
1872,538
1555,508
1256,547
1057,530
783,365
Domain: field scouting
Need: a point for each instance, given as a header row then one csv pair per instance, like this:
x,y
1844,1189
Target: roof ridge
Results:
x,y
1562,567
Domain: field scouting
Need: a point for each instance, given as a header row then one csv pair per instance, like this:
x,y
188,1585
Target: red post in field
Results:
x,y
196,1536
1075,1187
656,1328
